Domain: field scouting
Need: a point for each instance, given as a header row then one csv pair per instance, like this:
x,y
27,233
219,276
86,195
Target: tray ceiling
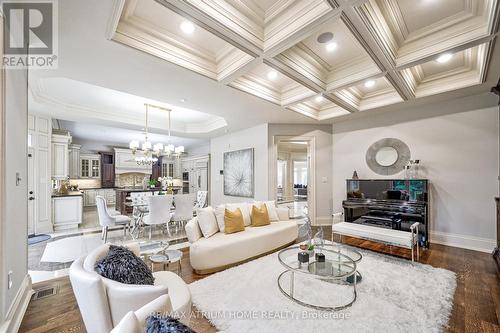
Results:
x,y
381,51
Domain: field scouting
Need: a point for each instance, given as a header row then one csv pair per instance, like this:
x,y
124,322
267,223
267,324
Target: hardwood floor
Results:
x,y
476,306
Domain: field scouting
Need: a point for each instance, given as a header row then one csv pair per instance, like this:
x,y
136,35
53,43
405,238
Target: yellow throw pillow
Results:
x,y
233,221
260,216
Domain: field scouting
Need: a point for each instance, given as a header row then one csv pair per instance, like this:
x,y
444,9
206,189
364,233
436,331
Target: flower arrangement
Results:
x,y
167,183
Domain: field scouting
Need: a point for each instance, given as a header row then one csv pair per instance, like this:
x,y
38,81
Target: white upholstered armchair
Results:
x,y
104,302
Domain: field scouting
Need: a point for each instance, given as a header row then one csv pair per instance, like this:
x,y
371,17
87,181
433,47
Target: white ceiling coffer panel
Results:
x,y
412,31
318,108
373,93
319,47
328,69
268,83
152,28
262,24
463,69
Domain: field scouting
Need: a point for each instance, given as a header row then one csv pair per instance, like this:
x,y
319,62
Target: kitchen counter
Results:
x,y
69,194
137,189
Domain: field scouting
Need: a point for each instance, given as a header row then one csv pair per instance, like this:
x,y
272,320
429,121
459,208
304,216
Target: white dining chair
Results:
x,y
201,199
183,209
159,211
107,220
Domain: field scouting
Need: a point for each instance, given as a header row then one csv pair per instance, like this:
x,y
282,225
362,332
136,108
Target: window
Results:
x,y
300,172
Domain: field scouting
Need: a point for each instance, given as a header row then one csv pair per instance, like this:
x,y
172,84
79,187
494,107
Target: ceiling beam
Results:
x,y
213,26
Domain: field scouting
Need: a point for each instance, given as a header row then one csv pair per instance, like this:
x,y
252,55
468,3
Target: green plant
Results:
x,y
310,247
152,182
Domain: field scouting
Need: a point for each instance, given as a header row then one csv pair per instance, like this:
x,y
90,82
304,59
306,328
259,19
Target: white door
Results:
x,y
31,191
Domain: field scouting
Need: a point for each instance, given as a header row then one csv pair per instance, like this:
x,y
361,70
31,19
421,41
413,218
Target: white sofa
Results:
x,y
104,302
222,250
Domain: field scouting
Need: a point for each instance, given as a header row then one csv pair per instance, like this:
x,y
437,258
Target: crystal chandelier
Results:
x,y
150,152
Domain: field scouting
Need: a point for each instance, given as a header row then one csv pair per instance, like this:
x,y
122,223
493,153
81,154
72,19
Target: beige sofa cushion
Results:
x,y
207,221
245,208
221,249
271,209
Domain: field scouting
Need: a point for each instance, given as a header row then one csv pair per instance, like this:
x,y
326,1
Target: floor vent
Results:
x,y
45,292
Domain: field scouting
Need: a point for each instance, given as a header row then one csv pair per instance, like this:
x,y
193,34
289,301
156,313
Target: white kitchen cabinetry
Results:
x,y
66,212
90,194
90,166
89,197
60,156
74,161
197,169
171,167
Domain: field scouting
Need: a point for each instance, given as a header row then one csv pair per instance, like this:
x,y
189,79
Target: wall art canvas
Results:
x,y
239,173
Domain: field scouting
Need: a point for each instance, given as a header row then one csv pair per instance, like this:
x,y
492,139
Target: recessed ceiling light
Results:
x,y
272,75
187,27
331,46
445,57
319,99
369,83
183,100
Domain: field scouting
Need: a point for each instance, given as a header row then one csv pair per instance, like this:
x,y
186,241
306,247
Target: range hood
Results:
x,y
125,162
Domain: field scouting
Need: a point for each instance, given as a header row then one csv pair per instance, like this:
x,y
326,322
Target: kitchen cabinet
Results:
x,y
74,161
67,212
171,167
107,169
90,166
195,174
60,156
89,196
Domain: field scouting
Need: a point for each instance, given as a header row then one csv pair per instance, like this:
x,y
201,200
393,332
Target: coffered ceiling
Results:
x,y
319,58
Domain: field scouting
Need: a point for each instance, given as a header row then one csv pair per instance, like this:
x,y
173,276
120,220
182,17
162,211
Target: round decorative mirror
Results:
x,y
387,156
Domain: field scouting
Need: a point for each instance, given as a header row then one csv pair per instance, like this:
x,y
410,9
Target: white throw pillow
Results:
x,y
219,215
245,211
207,221
271,209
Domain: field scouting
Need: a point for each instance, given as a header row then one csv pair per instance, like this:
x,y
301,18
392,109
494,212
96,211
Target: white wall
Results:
x,y
459,155
254,137
323,141
14,257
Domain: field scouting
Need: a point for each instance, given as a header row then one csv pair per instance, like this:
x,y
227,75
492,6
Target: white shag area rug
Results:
x,y
395,295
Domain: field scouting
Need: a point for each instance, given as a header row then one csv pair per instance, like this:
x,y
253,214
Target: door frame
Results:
x,y
311,150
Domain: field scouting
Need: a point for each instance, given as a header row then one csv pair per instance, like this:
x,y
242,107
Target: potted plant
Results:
x,y
152,183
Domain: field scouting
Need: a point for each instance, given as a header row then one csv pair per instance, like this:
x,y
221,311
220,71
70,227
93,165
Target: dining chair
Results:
x,y
201,199
106,219
183,209
159,211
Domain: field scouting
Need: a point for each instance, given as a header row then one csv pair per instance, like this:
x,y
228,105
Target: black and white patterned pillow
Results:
x,y
122,265
161,324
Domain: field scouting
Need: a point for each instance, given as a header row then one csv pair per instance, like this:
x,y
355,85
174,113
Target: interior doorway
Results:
x,y
294,175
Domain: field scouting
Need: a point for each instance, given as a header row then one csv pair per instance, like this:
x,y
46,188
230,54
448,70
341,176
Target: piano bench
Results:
x,y
406,239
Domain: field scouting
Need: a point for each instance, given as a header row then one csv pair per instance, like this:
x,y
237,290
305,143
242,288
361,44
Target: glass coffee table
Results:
x,y
328,285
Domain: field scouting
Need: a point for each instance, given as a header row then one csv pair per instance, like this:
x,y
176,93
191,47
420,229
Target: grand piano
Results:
x,y
389,203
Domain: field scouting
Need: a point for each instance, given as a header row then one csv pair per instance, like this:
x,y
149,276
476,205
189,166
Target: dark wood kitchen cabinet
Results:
x,y
107,169
156,169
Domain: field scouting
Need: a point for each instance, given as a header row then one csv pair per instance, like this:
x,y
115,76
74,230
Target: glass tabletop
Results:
x,y
336,264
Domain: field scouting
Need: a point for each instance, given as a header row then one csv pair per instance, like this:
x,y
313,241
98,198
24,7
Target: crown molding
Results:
x,y
63,109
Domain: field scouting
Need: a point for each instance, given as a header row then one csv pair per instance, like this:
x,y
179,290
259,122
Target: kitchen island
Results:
x,y
67,210
123,193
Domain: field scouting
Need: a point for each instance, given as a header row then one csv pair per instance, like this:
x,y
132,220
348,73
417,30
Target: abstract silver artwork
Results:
x,y
239,173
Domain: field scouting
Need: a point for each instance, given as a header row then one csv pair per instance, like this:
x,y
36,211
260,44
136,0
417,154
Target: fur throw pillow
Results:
x,y
122,265
161,324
